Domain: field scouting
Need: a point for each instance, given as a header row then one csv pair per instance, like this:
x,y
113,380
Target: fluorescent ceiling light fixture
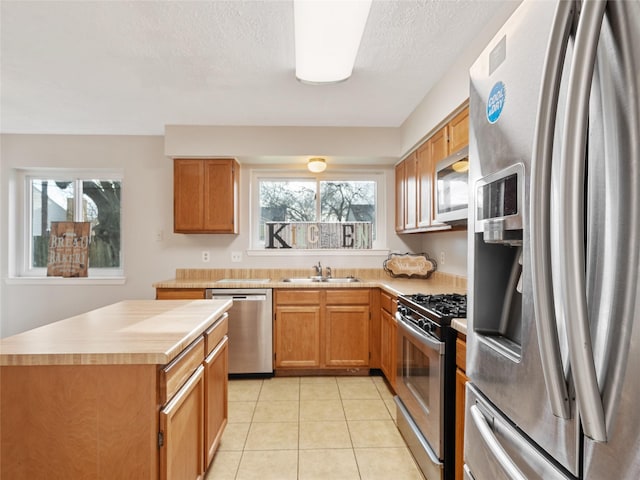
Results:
x,y
327,36
316,165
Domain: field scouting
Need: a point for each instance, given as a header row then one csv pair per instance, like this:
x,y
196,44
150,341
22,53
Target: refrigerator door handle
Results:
x,y
571,214
540,207
494,446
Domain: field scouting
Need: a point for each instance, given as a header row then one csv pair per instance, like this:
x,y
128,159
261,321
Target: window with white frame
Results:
x,y
73,196
300,197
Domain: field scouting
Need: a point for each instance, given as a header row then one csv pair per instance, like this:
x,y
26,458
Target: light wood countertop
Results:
x,y
128,332
369,278
459,325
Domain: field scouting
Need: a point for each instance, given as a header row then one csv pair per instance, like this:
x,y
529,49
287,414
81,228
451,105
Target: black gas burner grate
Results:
x,y
451,305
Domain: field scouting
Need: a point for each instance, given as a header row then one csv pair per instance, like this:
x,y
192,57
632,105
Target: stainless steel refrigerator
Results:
x,y
554,239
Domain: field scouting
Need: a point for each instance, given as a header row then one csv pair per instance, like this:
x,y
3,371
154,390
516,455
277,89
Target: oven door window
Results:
x,y
422,384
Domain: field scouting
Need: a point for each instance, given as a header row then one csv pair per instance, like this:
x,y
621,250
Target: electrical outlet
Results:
x,y
236,256
442,258
159,235
205,256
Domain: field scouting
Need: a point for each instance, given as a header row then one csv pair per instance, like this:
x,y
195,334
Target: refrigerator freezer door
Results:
x,y
613,262
504,361
495,449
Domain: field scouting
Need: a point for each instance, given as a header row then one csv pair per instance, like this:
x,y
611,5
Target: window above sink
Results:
x,y
296,196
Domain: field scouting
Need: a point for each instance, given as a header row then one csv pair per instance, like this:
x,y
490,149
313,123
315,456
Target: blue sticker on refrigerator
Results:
x,y
495,102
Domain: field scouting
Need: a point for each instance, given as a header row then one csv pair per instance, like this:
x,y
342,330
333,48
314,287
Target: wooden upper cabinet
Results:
x,y
459,131
438,146
411,192
429,153
415,186
425,177
400,197
188,195
205,195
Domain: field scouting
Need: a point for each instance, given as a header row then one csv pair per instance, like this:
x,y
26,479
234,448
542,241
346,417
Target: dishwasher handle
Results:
x,y
240,298
236,296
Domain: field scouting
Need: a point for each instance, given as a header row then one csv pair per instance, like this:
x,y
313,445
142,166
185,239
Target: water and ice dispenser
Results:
x,y
498,259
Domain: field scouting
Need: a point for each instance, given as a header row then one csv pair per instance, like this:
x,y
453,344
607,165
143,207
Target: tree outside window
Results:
x,y
96,200
300,200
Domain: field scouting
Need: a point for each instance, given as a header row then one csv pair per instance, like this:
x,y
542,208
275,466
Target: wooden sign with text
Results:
x,y
313,235
69,249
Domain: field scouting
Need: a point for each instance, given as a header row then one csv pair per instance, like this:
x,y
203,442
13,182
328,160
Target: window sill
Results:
x,y
299,252
65,281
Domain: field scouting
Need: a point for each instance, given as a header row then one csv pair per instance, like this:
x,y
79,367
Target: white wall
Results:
x,y
148,202
452,90
147,209
447,95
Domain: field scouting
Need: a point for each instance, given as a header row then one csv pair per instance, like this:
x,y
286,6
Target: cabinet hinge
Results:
x,y
160,439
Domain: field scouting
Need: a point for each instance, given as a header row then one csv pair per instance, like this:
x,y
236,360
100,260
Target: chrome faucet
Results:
x,y
318,268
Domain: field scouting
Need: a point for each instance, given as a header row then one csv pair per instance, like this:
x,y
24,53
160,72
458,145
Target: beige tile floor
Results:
x,y
325,428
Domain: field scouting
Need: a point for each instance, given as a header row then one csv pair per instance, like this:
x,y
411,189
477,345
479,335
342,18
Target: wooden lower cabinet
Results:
x,y
347,335
461,380
216,394
324,328
388,335
195,388
116,421
180,293
297,334
79,421
182,427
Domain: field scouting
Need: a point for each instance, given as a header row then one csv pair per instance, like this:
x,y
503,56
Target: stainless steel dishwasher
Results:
x,y
250,330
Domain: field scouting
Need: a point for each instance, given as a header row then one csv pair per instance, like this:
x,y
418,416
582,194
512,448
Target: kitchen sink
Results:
x,y
320,279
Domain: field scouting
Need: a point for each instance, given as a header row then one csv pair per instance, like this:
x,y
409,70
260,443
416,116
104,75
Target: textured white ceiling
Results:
x,y
118,67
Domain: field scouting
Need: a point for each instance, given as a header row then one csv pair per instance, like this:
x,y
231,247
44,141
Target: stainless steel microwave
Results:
x,y
452,188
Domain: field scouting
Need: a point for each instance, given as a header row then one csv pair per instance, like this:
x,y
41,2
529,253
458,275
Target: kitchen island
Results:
x,y
100,395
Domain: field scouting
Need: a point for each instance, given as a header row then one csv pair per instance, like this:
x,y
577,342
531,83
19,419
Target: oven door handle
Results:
x,y
421,336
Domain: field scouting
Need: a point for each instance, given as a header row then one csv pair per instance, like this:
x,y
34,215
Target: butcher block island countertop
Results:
x,y
133,390
128,332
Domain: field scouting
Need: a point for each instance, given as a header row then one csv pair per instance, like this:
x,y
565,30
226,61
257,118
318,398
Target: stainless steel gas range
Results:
x,y
426,379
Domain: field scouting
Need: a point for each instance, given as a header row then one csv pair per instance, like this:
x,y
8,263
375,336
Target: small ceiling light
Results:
x,y
461,166
316,165
327,36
